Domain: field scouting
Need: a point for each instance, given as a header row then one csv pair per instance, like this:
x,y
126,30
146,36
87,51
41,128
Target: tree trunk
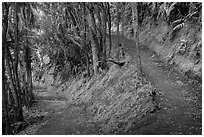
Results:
x,y
84,41
118,34
104,17
99,30
9,65
136,36
94,45
10,68
4,92
29,85
5,96
95,58
109,29
19,109
29,75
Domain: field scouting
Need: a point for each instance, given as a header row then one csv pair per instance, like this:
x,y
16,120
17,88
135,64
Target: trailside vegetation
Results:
x,y
76,39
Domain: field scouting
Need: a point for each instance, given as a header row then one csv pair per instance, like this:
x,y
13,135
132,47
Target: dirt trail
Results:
x,y
180,104
64,119
69,121
180,101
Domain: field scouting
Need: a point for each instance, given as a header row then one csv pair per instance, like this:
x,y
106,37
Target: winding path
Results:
x,y
180,101
180,104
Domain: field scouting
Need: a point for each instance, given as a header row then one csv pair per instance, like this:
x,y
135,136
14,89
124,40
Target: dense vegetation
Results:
x,y
76,40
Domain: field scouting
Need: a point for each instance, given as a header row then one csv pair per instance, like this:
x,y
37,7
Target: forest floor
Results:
x,y
180,102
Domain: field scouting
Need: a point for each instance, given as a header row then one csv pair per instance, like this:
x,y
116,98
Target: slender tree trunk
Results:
x,y
5,95
100,30
10,72
104,18
10,68
29,75
94,45
29,85
136,36
109,29
118,34
87,61
84,41
95,58
104,43
20,112
4,92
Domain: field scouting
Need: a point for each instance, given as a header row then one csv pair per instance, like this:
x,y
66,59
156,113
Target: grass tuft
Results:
x,y
116,99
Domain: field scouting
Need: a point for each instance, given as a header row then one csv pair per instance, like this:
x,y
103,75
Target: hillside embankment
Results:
x,y
119,102
182,48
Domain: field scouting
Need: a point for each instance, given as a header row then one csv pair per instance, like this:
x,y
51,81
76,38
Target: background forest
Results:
x,y
75,45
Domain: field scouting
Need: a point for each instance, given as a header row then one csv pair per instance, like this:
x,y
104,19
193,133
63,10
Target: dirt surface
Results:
x,y
61,118
179,102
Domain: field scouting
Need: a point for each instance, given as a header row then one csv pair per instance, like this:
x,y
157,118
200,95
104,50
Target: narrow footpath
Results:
x,y
179,102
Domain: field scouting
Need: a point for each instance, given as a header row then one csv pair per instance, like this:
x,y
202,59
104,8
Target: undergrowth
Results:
x,y
184,50
117,98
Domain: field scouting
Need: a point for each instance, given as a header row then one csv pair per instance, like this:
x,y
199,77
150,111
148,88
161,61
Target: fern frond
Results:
x,y
179,26
189,16
177,21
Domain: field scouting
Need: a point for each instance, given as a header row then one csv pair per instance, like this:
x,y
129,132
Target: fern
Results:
x,y
189,16
165,10
177,21
179,26
176,28
181,22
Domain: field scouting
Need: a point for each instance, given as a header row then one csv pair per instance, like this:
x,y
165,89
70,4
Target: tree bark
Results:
x,y
100,30
19,109
10,69
29,75
104,18
95,58
109,28
94,45
136,36
4,92
27,57
5,95
9,65
84,41
118,33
